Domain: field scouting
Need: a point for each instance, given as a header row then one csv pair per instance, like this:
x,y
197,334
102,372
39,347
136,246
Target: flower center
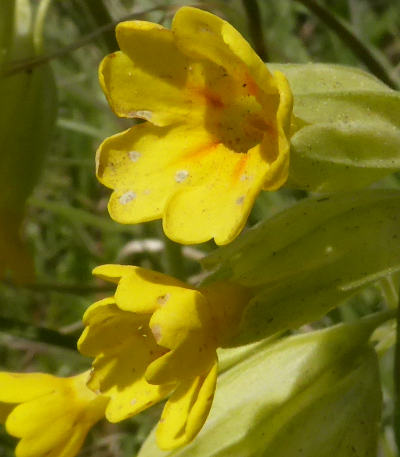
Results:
x,y
231,110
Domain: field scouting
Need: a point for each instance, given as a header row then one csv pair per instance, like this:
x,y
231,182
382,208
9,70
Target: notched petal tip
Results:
x,y
186,411
112,272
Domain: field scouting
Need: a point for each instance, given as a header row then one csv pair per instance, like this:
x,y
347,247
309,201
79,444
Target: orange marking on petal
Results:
x,y
250,85
208,96
240,167
202,151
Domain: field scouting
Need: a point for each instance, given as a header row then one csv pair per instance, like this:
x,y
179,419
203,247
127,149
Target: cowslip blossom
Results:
x,y
157,337
215,131
51,416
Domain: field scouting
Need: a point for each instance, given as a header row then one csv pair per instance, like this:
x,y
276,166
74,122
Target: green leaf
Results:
x,y
309,258
346,128
320,389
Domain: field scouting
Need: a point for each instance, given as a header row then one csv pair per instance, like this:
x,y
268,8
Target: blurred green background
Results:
x,y
67,227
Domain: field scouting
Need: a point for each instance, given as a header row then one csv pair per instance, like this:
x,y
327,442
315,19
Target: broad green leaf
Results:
x,y
311,257
318,393
345,130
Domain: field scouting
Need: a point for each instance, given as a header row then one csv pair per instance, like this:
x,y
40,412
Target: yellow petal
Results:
x,y
204,35
280,167
71,447
146,79
205,189
121,378
107,328
48,419
112,273
186,411
42,443
146,164
99,311
123,346
184,325
34,416
220,206
21,387
143,291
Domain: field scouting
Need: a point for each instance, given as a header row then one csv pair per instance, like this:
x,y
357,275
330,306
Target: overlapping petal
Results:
x,y
216,133
151,62
158,337
204,35
50,415
123,346
186,410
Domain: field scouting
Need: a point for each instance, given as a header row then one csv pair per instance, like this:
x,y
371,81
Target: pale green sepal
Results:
x,y
346,128
318,393
309,258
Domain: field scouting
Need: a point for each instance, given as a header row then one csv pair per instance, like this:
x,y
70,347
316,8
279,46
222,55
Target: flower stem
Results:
x,y
83,41
35,333
40,19
255,28
174,261
372,59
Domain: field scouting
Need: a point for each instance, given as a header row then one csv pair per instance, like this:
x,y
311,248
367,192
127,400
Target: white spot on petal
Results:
x,y
147,192
133,402
246,177
240,200
127,197
181,176
147,115
156,329
134,155
162,299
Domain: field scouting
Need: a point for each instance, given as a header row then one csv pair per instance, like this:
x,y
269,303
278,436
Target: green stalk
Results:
x,y
101,16
77,214
75,289
174,261
37,334
255,28
85,40
372,59
38,27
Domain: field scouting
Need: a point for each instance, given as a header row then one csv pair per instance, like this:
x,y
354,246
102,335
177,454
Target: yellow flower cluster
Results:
x,y
158,337
215,135
216,127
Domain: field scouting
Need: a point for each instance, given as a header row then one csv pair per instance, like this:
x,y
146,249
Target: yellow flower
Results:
x,y
216,130
158,337
50,415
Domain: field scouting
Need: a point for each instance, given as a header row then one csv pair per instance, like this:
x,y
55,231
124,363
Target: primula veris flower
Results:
x,y
215,133
158,337
51,416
